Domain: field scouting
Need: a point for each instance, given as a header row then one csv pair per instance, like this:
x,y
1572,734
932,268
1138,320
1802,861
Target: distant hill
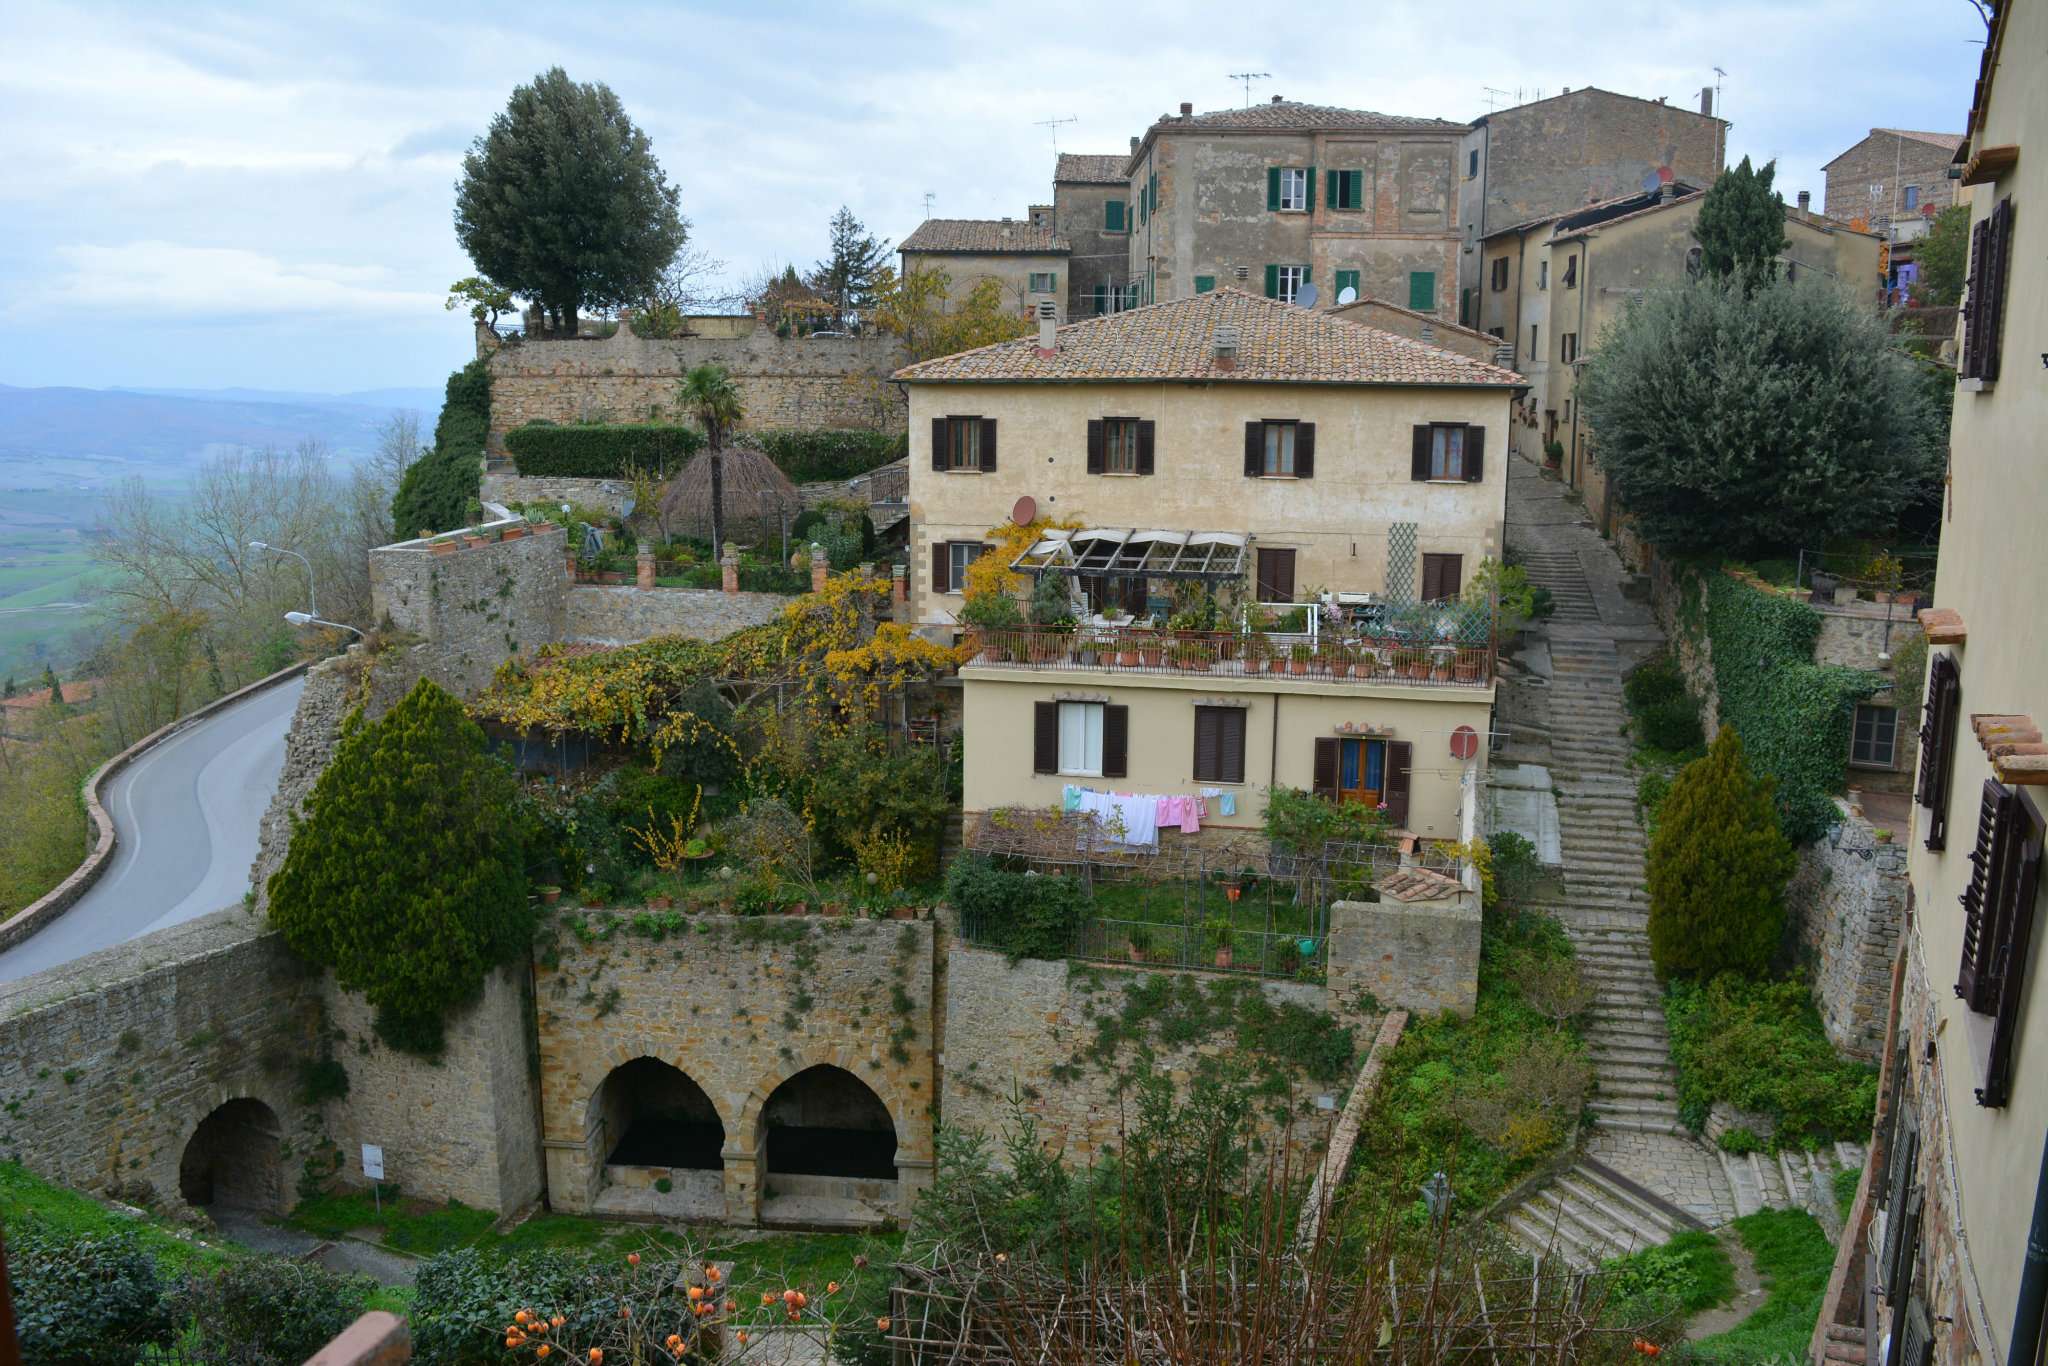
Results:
x,y
175,429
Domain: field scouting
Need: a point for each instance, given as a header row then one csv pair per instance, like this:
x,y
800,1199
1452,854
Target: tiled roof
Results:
x,y
1277,344
1088,168
1284,114
1563,231
983,236
1948,142
1358,305
1418,884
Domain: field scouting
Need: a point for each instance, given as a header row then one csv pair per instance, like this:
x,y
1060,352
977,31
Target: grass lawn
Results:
x,y
1846,1180
27,1199
1794,1258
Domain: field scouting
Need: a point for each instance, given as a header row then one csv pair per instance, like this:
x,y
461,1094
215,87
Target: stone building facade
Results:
x,y
1027,259
476,606
1092,214
1894,182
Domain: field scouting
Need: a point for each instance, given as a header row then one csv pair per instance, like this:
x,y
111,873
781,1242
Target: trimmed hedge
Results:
x,y
808,455
592,451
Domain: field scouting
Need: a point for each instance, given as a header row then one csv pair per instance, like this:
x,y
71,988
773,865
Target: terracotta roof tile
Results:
x,y
1088,168
1418,884
1286,114
2013,744
983,236
1277,344
1943,625
1948,142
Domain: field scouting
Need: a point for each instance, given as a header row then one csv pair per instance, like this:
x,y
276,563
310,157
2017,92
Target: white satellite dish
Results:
x,y
1306,297
1347,295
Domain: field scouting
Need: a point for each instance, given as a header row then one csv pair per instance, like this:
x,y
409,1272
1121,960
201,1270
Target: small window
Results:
x,y
1984,295
1912,197
1571,271
1472,164
1204,283
1279,450
1568,346
1535,351
960,554
1120,445
1288,281
1347,189
1500,273
1875,743
1081,739
963,443
1422,290
1113,215
1273,574
1219,744
1293,189
1543,274
1442,577
1044,282
1447,452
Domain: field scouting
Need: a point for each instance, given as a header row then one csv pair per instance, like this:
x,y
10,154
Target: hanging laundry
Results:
x,y
1226,802
1070,798
1130,820
1183,812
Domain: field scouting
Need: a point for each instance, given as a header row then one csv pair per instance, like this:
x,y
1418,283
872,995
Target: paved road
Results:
x,y
186,815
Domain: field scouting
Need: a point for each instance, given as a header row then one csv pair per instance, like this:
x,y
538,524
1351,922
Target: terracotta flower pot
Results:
x,y
444,547
513,533
1233,890
903,912
1149,655
472,542
1127,658
1223,958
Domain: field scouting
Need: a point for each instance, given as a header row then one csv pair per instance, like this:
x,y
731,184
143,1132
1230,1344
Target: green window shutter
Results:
x,y
1204,283
1310,202
1272,194
1306,273
1422,290
1113,216
1346,279
1331,191
1152,187
1354,189
1272,282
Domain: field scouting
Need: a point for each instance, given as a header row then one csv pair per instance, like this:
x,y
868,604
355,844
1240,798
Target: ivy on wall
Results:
x,y
1793,715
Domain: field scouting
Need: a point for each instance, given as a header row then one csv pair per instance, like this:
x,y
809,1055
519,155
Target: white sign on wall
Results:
x,y
373,1161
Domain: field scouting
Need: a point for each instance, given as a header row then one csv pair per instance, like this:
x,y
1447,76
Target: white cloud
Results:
x,y
167,281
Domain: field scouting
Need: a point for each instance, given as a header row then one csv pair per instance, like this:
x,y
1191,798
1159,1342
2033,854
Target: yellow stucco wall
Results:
x,y
1283,720
1336,522
1011,270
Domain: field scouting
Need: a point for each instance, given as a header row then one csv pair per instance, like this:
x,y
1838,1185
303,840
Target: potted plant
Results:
x,y
1335,656
1299,657
993,618
1192,655
1219,937
471,540
1232,887
513,531
1140,944
1150,648
444,546
1366,664
1411,664
1127,647
1254,650
549,894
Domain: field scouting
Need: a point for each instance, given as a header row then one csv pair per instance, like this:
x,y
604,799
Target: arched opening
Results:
x,y
655,1116
825,1121
233,1162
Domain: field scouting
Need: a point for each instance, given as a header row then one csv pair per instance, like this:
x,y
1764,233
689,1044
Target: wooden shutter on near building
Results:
x,y
1095,445
1937,745
1475,454
942,567
1272,282
1418,464
1898,1208
1324,781
1145,439
1045,737
938,443
988,444
1255,446
1219,744
1981,896
1304,450
1888,1125
1116,740
2012,935
1400,759
1915,1336
1275,576
1272,194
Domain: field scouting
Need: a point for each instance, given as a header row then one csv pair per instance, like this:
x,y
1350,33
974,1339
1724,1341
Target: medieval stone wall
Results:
x,y
1848,901
1420,956
476,607
606,615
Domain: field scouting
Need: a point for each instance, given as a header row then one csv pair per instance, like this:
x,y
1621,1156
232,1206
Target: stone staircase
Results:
x,y
1789,1180
1561,573
1590,1213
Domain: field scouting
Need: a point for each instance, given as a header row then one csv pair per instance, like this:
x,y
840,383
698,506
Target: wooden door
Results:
x,y
1362,771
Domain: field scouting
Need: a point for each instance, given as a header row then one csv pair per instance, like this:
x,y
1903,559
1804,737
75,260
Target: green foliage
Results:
x,y
1809,425
1717,868
1516,866
1846,1180
85,1297
464,1299
1672,725
322,1080
1740,1142
407,873
1795,1259
1794,715
1741,225
269,1311
1759,1046
1301,822
1943,256
1689,1274
861,786
592,451
1517,600
436,489
407,1227
846,278
1023,914
562,201
814,454
1651,790
1655,680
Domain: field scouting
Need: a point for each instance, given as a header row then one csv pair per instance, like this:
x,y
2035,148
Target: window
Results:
x,y
1346,189
1152,190
1080,739
1937,745
1998,921
1292,194
1422,290
1446,451
1984,294
1358,770
1912,197
949,564
1467,310
1472,163
1568,346
1284,282
1535,351
1571,271
1442,577
1346,279
1120,445
1500,274
1875,740
1044,282
964,443
1275,575
1219,744
1113,215
1280,448
1543,273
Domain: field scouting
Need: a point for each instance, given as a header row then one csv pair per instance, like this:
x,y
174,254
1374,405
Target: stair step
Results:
x,y
1589,1227
1591,1186
1641,1125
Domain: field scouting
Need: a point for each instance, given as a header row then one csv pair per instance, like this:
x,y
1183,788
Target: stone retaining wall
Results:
x,y
1848,902
1421,956
476,607
604,615
609,495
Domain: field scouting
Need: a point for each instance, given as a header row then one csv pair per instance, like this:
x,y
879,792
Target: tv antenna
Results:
x,y
1248,77
928,198
1054,126
1493,94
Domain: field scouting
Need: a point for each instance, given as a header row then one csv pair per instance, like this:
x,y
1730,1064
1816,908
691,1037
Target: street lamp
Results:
x,y
308,619
312,599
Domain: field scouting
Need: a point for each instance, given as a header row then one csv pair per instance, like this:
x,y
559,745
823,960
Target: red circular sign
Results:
x,y
1026,511
1464,742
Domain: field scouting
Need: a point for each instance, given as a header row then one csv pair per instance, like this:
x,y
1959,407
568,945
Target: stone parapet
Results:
x,y
1421,956
607,615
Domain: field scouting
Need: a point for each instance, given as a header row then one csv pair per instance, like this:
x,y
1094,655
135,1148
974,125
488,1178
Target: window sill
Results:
x,y
1461,479
1976,386
1120,474
1069,773
1279,478
963,471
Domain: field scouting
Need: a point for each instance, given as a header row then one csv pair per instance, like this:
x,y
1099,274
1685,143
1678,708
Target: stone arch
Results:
x,y
234,1159
650,1113
748,1127
825,1121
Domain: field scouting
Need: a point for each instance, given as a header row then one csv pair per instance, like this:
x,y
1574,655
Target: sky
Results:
x,y
201,195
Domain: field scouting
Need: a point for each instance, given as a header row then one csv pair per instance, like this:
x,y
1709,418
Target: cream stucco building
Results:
x,y
1239,448
1026,258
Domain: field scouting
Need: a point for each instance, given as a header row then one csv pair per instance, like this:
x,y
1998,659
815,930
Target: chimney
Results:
x,y
1707,100
1224,347
1048,330
1805,204
1134,146
1276,99
1187,110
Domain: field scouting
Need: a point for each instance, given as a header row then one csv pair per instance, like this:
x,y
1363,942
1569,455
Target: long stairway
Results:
x,y
1561,573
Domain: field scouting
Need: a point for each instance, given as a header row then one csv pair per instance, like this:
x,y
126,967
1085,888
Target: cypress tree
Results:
x,y
1717,868
1741,225
56,690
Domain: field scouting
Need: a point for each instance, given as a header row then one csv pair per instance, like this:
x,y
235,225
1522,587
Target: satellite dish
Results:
x,y
1464,742
1347,295
1025,512
1306,297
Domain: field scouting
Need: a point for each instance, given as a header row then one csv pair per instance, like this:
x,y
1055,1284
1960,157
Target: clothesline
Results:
x,y
1134,819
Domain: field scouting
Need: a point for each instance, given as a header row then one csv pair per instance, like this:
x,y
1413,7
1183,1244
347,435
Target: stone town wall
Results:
x,y
1848,901
606,615
1419,956
608,495
477,607
739,1005
783,382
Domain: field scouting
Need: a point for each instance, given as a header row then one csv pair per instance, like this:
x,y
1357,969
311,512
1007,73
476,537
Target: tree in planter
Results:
x,y
1741,226
1717,868
709,393
406,875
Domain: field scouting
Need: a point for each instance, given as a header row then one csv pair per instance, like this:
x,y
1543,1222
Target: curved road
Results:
x,y
186,815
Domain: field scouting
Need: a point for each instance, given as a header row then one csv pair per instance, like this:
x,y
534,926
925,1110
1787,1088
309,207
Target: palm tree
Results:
x,y
709,393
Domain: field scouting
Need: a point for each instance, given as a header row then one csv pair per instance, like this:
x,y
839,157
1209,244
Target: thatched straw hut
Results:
x,y
757,496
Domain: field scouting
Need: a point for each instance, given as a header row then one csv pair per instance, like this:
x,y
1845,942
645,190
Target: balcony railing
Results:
x,y
1349,659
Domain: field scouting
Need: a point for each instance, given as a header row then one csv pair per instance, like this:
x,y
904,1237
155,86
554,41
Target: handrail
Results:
x,y
1381,659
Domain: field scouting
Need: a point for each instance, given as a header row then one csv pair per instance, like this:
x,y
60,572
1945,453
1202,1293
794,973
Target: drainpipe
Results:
x,y
2033,1297
1273,751
1585,292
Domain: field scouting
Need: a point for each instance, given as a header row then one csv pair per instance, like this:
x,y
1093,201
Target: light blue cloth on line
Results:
x,y
1070,798
1226,802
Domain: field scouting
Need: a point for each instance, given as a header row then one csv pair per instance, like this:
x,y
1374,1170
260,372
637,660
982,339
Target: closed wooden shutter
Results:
x,y
1422,290
938,443
1232,744
1272,204
1400,760
1095,445
1045,737
1219,744
1325,779
1254,448
1334,194
1275,576
1937,745
1442,577
1889,1127
1113,215
2013,930
1912,1337
942,567
1304,450
1116,741
1475,454
1899,1208
1145,438
1905,1247
1418,463
1976,304
1308,186
1272,282
2000,239
1980,897
988,444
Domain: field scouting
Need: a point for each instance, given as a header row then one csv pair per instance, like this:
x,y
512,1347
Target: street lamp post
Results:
x,y
308,619
312,596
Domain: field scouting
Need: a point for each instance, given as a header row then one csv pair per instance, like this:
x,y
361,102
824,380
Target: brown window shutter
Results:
x,y
2015,931
1230,744
1454,575
942,565
1095,445
1275,576
1915,1333
938,443
1254,449
1304,450
1116,740
1888,1128
1976,304
1904,1248
1432,575
1045,737
2001,261
988,444
1899,1195
1208,739
1325,780
1980,898
1400,759
1475,454
1937,745
1418,465
1145,429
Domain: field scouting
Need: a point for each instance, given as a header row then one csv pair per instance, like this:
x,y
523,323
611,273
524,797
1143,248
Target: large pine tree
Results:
x,y
1717,869
846,278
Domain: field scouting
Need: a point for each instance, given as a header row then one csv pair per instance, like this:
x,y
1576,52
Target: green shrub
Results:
x,y
1759,1046
407,874
1022,914
601,451
1740,1142
1651,790
1655,680
810,455
91,1298
1672,725
463,1300
1689,1274
858,784
1516,866
269,1311
436,489
1301,822
1717,869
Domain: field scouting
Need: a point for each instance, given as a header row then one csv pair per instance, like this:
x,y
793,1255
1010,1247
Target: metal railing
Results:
x,y
888,484
1331,658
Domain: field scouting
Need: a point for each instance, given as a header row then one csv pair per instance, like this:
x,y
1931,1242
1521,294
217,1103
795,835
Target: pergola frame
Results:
x,y
1216,555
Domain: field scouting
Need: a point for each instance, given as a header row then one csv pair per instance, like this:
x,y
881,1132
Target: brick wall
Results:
x,y
605,615
1890,164
1848,902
